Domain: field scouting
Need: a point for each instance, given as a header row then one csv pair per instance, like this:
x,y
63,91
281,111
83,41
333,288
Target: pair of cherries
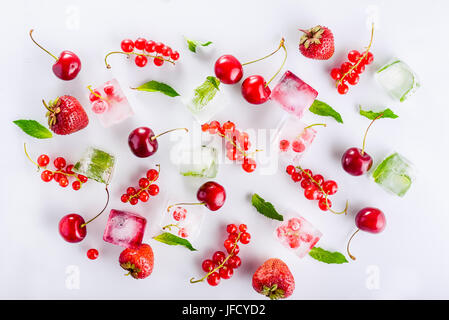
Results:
x,y
255,89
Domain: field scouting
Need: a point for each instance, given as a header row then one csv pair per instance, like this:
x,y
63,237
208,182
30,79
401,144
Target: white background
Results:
x,y
410,257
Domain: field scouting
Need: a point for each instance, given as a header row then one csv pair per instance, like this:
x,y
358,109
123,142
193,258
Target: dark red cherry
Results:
x,y
355,162
255,90
370,220
142,142
212,194
72,228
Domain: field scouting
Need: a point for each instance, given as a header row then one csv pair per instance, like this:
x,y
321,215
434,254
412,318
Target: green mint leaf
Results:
x,y
387,113
155,86
265,208
173,240
204,93
326,256
323,109
34,129
215,82
192,44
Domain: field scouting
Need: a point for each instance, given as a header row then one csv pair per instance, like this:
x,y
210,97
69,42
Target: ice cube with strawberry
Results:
x,y
298,234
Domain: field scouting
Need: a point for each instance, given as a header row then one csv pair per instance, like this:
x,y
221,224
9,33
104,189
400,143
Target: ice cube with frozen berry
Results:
x,y
183,221
125,229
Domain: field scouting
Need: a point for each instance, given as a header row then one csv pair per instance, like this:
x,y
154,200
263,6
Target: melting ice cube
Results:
x,y
96,164
124,229
198,161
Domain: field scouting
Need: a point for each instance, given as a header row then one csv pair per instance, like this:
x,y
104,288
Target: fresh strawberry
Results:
x,y
66,115
317,43
139,262
274,280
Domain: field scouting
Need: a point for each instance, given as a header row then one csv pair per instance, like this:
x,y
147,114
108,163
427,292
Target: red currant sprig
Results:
x,y
62,173
146,188
237,143
222,266
315,187
158,51
350,71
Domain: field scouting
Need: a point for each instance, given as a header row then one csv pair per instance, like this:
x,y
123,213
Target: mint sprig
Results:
x,y
155,86
265,208
192,44
326,256
173,240
323,109
387,113
34,129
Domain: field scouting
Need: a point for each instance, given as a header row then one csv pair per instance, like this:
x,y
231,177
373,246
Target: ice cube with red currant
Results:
x,y
125,229
184,222
298,234
293,95
109,103
293,139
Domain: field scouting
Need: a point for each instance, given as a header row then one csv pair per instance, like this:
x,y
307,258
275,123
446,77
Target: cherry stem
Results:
x,y
146,188
345,211
135,53
366,132
169,226
281,44
31,36
349,242
186,204
96,94
192,280
105,206
340,81
312,125
160,134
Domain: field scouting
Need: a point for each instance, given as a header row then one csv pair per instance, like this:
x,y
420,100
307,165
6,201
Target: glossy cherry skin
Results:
x,y
142,143
70,228
228,69
67,66
212,194
370,220
255,90
356,163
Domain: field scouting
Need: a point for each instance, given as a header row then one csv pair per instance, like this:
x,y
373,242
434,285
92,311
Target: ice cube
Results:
x,y
113,106
298,234
124,229
395,174
293,139
96,164
293,95
398,79
206,100
183,221
198,161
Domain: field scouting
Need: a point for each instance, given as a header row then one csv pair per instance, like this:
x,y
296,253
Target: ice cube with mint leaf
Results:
x,y
198,161
96,164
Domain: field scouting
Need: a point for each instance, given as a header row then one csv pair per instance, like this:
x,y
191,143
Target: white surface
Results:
x,y
410,256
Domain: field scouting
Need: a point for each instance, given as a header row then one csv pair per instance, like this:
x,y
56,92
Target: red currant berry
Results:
x,y
228,126
69,169
47,175
245,237
141,61
233,237
322,204
228,244
305,183
76,185
109,89
369,58
243,227
345,67
143,196
353,79
296,176
307,173
158,61
82,178
208,265
205,127
311,193
152,174
290,169
354,56
158,47
360,68
318,178
133,201
226,272
283,145
150,46
231,154
218,257
234,249
164,51
249,165
92,254
213,127
59,163
231,228
335,74
234,262
93,96
153,189
127,45
57,176
298,146
43,160
63,181
144,182
330,187
342,88
175,55
213,279
140,43
124,198
131,191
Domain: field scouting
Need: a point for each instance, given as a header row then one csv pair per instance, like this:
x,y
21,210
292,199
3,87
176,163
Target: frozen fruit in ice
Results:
x,y
96,164
198,162
124,229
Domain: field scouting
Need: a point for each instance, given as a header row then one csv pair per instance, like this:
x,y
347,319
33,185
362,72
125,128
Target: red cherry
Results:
x,y
370,220
355,163
255,90
212,194
228,69
70,228
92,254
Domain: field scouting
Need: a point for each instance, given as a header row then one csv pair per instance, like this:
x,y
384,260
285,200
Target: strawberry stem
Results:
x,y
31,36
135,53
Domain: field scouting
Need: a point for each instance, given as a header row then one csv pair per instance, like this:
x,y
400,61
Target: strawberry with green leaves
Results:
x,y
317,43
66,115
274,279
139,262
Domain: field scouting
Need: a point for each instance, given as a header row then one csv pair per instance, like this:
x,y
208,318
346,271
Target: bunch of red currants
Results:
x,y
237,142
146,188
